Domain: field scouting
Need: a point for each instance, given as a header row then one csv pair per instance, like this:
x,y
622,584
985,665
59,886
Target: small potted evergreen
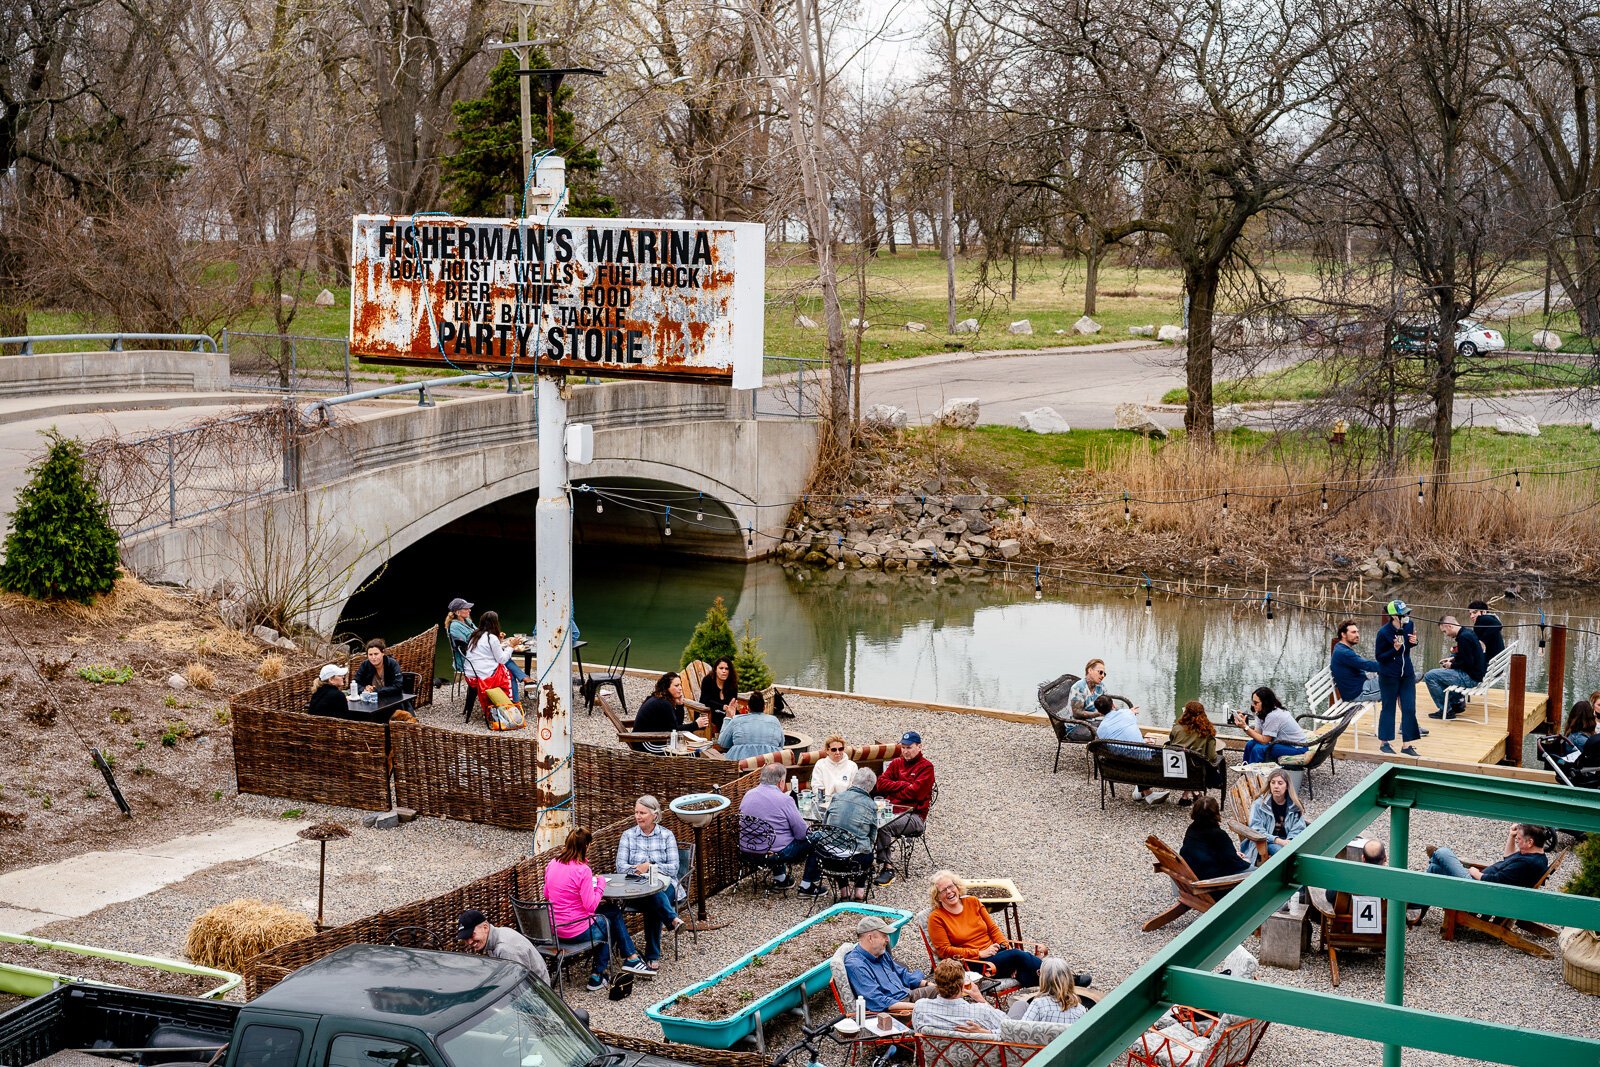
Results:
x,y
751,663
1580,949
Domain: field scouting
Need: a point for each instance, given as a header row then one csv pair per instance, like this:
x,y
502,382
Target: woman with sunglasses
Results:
x,y
831,774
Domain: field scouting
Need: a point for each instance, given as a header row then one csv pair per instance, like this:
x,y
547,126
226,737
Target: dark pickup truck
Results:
x,y
362,1006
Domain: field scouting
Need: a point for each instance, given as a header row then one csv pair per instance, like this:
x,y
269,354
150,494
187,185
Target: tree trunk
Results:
x,y
949,226
1016,253
911,228
1091,275
1201,287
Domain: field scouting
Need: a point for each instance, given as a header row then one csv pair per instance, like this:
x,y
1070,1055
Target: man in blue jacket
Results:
x,y
876,976
1351,672
1397,679
1463,669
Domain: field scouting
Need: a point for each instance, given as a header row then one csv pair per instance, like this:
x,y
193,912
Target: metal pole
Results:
x,y
322,879
1516,705
1558,678
527,97
172,483
1394,934
552,531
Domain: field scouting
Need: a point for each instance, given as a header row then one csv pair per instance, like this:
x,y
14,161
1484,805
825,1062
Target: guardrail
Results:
x,y
198,342
320,408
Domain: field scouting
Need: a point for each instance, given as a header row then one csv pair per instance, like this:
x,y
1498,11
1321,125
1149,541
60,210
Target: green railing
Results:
x,y
1181,972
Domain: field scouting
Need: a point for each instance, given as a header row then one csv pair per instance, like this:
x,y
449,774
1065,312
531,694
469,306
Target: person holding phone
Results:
x,y
1397,678
1278,734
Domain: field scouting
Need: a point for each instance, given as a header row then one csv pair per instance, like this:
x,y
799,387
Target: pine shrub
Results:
x,y
61,545
751,663
712,638
1586,882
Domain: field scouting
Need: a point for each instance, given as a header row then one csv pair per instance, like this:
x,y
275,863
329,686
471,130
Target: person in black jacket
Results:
x,y
720,689
663,711
1463,668
380,673
1397,679
1486,624
328,697
1207,848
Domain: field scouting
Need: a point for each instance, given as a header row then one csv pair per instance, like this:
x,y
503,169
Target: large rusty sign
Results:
x,y
623,298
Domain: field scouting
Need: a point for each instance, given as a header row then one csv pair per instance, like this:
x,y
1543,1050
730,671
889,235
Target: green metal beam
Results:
x,y
1119,1019
1463,894
1473,1039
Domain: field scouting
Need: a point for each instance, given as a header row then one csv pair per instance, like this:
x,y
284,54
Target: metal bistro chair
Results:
x,y
840,864
686,883
907,843
458,654
411,682
613,676
756,838
535,924
414,937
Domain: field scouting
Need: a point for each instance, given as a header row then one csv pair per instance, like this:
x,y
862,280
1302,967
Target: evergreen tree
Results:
x,y
488,163
751,663
61,544
1586,882
712,638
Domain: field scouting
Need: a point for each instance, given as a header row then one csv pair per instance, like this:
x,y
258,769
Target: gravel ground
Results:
x,y
1086,876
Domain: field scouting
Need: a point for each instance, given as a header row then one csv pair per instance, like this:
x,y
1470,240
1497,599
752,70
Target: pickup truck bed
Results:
x,y
85,1016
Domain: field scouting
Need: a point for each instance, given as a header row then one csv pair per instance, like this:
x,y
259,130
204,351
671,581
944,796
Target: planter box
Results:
x,y
725,1033
22,981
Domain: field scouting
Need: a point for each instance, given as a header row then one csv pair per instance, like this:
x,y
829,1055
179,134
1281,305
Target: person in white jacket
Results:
x,y
831,774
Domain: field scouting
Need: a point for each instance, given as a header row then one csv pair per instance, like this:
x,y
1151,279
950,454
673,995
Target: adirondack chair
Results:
x,y
1246,788
1334,928
1505,929
1194,894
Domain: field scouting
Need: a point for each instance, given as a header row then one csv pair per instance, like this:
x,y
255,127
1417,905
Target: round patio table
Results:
x,y
633,887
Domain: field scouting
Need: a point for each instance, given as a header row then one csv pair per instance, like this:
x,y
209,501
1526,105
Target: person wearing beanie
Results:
x,y
1397,679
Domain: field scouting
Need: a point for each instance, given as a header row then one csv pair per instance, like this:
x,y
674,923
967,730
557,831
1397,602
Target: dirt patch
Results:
x,y
110,971
104,669
763,974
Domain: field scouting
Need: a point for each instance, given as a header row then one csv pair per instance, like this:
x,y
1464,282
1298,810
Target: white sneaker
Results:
x,y
1156,796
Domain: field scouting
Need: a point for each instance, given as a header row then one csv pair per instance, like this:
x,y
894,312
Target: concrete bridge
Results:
x,y
339,500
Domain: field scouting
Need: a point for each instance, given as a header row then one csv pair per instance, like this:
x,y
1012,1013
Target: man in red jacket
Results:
x,y
907,783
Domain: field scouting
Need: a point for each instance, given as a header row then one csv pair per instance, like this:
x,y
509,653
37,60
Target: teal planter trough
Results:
x,y
725,1033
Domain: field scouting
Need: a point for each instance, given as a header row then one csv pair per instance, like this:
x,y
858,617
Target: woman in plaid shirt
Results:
x,y
647,847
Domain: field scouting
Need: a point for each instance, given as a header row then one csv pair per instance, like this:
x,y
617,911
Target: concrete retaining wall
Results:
x,y
113,372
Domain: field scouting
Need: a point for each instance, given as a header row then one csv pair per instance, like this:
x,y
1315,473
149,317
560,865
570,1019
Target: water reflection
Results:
x,y
974,642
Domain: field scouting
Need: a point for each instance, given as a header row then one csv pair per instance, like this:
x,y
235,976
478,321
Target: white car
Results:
x,y
1473,337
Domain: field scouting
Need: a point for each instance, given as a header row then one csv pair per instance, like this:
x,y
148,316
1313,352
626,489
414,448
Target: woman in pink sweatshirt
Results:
x,y
581,914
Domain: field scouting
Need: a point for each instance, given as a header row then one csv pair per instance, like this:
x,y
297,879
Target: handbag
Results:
x,y
621,986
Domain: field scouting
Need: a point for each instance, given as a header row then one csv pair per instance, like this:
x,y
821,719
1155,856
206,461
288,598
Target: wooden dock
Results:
x,y
1462,740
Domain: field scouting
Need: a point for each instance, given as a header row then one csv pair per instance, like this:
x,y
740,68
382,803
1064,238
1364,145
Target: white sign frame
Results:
x,y
1366,915
1174,764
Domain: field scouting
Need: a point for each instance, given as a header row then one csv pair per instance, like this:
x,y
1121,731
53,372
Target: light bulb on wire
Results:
x,y
1419,490
700,508
599,506
1024,505
1519,481
668,531
1038,586
1324,498
1224,510
750,536
1127,513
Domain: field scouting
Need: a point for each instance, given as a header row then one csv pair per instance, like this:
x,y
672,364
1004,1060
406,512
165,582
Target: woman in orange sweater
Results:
x,y
960,927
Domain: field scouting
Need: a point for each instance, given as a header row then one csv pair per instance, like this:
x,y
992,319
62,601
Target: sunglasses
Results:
x,y
836,749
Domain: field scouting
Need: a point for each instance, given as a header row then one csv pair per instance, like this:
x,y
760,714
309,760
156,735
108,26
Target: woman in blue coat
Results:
x,y
1397,679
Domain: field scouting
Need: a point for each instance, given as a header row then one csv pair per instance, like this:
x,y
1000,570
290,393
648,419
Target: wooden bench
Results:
x,y
1494,676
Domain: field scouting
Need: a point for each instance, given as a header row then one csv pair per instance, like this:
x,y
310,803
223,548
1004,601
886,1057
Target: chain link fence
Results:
x,y
289,363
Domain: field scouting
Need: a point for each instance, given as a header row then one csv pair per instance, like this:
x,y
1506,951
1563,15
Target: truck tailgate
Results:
x,y
83,1016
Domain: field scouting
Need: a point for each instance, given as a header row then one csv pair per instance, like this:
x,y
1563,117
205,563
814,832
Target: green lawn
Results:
x,y
1310,380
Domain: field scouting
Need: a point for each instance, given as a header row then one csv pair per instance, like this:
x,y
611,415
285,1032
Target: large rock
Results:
x,y
325,299
885,415
1135,418
266,634
916,327
1594,424
805,322
1044,420
860,324
1142,331
1548,340
967,326
1520,425
1174,334
1021,326
1010,548
960,412
1086,326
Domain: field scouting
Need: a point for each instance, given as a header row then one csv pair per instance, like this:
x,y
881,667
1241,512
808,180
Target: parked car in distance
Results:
x,y
1471,338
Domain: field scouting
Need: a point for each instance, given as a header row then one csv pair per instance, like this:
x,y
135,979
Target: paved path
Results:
x,y
74,887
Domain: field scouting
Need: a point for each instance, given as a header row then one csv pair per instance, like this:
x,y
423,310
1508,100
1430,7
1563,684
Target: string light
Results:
x,y
1127,513
750,536
1519,481
1224,507
1038,586
1269,607
1419,490
599,506
1324,498
1541,629
1147,591
1024,505
841,551
668,531
700,509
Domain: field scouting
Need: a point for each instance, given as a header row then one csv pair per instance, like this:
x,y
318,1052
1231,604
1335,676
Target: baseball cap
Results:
x,y
470,920
332,670
1397,607
872,924
457,604
911,737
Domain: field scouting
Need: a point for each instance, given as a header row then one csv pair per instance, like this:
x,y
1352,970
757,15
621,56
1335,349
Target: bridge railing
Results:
x,y
796,387
196,342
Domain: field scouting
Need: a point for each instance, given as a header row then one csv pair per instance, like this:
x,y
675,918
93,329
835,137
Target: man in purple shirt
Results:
x,y
770,804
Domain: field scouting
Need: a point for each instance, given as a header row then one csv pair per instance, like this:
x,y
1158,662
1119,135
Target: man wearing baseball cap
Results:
x,y
876,976
328,697
1397,679
501,942
907,783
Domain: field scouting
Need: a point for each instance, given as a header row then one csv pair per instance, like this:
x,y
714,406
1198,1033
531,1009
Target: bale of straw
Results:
x,y
229,934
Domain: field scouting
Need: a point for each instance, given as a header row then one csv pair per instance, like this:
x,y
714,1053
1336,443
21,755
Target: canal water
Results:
x,y
980,642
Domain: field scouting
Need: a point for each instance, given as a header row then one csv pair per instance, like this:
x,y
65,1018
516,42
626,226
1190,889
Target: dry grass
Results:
x,y
129,599
229,934
270,668
188,639
1477,523
200,676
